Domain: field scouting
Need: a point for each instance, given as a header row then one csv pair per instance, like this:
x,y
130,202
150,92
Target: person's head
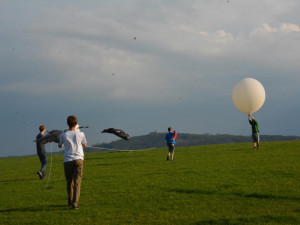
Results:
x,y
42,128
72,121
169,129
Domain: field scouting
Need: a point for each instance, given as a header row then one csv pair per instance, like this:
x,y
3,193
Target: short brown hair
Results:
x,y
42,127
72,121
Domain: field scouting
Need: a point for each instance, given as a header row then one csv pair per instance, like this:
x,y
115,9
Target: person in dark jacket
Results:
x,y
41,152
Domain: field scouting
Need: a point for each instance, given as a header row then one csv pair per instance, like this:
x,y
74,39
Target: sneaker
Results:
x,y
74,207
40,174
172,159
167,157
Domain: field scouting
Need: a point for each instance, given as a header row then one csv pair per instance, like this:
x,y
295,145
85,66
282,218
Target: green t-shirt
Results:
x,y
254,126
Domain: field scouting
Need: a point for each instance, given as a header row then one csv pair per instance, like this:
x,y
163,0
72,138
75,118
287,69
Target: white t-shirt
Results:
x,y
73,141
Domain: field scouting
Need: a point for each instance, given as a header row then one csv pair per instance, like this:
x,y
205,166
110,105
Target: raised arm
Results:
x,y
250,116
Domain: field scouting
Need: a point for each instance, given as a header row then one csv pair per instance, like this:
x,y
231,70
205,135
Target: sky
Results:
x,y
142,66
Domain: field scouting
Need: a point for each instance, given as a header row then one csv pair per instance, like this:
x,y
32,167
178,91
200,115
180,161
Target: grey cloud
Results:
x,y
186,58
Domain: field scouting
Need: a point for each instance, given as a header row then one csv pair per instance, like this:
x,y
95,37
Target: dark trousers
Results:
x,y
73,174
171,148
43,160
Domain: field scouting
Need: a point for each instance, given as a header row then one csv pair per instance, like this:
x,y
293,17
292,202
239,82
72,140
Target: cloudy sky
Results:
x,y
143,65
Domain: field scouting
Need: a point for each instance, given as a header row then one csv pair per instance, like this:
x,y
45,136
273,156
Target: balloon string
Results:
x,y
48,180
94,134
50,171
120,150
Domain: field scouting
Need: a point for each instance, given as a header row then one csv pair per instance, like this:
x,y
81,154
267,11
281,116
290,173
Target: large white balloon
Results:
x,y
248,95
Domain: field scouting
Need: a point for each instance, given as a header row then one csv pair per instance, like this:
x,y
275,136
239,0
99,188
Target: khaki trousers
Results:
x,y
73,174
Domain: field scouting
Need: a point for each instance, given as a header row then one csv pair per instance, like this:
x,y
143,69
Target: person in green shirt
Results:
x,y
255,131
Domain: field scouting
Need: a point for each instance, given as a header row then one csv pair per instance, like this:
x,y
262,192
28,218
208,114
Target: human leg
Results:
x,y
258,140
254,139
170,147
44,162
171,150
68,166
41,158
77,177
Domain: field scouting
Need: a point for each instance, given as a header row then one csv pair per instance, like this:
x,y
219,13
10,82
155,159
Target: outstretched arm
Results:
x,y
250,116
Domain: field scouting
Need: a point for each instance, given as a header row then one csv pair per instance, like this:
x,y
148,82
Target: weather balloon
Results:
x,y
248,95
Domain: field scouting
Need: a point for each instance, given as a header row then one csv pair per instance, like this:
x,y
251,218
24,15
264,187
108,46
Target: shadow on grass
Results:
x,y
16,180
253,220
191,191
266,196
252,195
36,208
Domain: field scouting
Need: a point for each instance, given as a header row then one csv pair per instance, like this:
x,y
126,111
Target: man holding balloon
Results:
x,y
255,131
248,96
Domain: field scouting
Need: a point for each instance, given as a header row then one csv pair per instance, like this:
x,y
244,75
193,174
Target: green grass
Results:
x,y
217,184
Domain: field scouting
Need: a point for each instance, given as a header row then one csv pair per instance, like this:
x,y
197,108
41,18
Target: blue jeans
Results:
x,y
43,160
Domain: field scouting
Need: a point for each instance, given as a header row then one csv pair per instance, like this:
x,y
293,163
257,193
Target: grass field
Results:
x,y
217,184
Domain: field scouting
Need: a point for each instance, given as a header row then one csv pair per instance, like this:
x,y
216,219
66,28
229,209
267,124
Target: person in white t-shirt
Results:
x,y
73,140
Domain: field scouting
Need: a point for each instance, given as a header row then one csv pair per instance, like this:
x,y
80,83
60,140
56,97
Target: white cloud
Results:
x,y
289,27
281,28
264,28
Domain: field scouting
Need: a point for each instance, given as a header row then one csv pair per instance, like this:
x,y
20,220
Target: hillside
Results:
x,y
205,185
157,140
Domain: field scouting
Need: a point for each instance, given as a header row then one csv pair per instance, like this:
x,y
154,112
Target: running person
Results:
x,y
171,136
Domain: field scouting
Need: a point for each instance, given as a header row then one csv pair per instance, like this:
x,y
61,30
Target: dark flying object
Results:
x,y
54,135
51,136
117,132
